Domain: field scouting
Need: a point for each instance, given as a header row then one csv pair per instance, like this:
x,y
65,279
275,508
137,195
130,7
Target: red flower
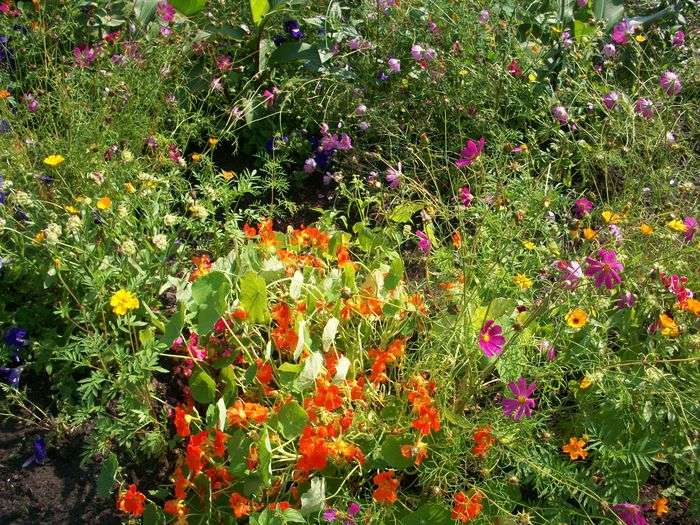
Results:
x,y
466,508
131,501
483,439
181,483
240,505
386,487
313,448
220,443
427,421
182,422
194,453
515,69
327,395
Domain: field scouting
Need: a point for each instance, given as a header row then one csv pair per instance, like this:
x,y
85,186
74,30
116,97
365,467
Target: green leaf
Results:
x,y
144,11
429,514
288,373
395,274
209,296
291,420
295,52
293,516
391,452
313,500
254,297
404,211
152,515
108,474
174,327
203,387
610,10
188,7
259,8
582,29
265,457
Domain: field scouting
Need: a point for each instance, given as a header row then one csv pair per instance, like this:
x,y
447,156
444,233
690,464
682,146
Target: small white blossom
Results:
x,y
52,231
160,241
122,211
128,247
170,219
73,224
22,198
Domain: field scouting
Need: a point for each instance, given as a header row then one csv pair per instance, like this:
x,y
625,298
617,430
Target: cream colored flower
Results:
x,y
128,247
52,232
160,241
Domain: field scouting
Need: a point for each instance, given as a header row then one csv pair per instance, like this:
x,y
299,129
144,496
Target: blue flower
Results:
x,y
293,28
5,126
39,450
10,375
16,337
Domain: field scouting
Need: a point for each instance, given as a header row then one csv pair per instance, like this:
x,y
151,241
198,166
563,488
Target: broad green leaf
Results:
x,y
395,274
265,457
188,7
108,473
144,11
429,514
291,420
295,52
293,516
288,373
254,297
391,452
404,211
152,515
203,387
582,29
612,11
209,295
259,8
174,327
314,499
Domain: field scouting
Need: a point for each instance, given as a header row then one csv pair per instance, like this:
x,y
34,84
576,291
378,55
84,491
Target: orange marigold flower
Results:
x,y
456,240
466,508
131,501
386,487
693,306
182,421
660,506
483,440
240,505
575,448
249,231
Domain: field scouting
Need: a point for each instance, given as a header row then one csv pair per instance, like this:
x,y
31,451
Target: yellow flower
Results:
x,y
574,448
196,157
54,160
104,203
523,281
612,218
72,210
5,94
646,229
577,318
585,383
677,225
39,237
123,301
529,245
640,38
532,77
213,141
129,187
228,175
669,328
589,233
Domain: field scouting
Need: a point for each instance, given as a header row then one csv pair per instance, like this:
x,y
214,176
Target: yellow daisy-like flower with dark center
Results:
x,y
104,203
123,301
54,160
577,318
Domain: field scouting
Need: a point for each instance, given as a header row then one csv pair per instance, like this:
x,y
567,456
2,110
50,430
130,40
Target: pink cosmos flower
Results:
x,y
670,83
269,97
571,273
691,227
470,152
644,107
606,270
393,177
629,513
523,404
424,243
490,339
465,195
166,12
582,207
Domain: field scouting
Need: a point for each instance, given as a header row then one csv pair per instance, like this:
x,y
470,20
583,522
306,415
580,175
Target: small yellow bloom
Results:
x,y
577,318
529,245
123,301
589,233
611,217
463,72
532,77
40,237
660,506
129,187
213,141
640,38
104,203
72,210
677,225
228,175
54,160
585,383
522,281
57,263
669,328
196,157
646,229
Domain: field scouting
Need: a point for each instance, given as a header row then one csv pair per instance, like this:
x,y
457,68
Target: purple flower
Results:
x,y
382,76
393,177
606,270
394,65
610,100
470,152
39,450
465,195
560,114
571,273
16,337
490,339
670,83
152,143
548,348
678,39
626,300
566,39
691,227
424,243
364,126
293,29
616,233
484,16
609,50
330,515
629,513
353,509
360,110
309,165
166,12
621,32
84,55
10,375
417,52
523,404
644,107
582,207
582,3
32,102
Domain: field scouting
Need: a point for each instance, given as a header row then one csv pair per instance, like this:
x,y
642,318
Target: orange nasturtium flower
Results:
x,y
575,448
660,506
386,487
131,501
483,439
182,421
466,508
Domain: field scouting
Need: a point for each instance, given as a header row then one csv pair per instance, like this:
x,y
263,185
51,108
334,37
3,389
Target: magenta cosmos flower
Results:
x,y
691,227
670,83
630,513
678,39
470,152
465,195
166,12
582,207
523,404
606,270
490,339
423,241
571,273
644,107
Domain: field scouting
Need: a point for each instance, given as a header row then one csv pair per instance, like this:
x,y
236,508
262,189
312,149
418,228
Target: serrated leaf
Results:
x,y
254,297
108,474
203,387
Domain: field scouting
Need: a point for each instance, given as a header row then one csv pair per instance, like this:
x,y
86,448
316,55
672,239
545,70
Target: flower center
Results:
x,y
486,338
606,267
522,399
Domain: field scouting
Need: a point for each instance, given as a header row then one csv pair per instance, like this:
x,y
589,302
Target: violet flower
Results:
x,y
16,338
394,65
621,32
490,339
465,195
571,273
470,152
523,403
393,177
610,100
609,50
678,39
691,228
309,166
626,300
84,55
11,375
606,270
548,348
644,107
424,243
330,515
484,16
629,513
670,83
165,11
560,114
582,3
582,207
